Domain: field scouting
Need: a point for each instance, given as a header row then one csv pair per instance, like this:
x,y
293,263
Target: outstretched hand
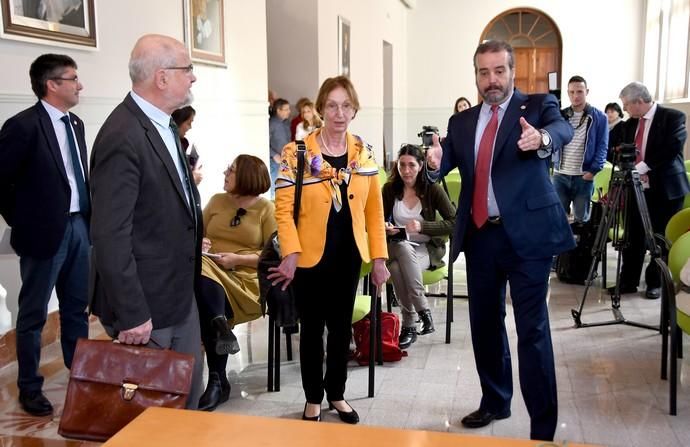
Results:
x,y
530,138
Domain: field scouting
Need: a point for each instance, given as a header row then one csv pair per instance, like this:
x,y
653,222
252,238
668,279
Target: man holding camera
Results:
x,y
584,156
659,134
510,224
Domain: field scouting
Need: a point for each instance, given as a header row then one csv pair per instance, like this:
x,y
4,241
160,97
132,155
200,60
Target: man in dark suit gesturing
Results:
x,y
659,134
147,223
510,223
44,198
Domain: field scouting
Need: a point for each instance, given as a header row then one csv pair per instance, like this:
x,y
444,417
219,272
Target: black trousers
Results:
x,y
660,212
325,296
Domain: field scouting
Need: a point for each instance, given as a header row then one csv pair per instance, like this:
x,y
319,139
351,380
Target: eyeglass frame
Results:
x,y
238,217
187,69
59,78
345,107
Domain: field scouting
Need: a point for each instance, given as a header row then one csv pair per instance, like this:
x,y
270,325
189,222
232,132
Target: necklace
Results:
x,y
325,146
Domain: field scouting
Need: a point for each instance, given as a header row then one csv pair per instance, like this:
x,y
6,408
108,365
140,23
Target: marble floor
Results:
x,y
609,386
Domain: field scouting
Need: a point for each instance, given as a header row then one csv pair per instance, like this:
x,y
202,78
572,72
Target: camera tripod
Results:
x,y
625,186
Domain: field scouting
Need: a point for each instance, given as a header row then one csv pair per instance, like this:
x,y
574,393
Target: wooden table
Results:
x,y
162,427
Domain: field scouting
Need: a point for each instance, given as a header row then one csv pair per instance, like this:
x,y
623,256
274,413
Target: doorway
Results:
x,y
537,44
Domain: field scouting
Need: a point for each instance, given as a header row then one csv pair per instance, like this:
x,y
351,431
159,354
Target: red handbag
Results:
x,y
111,383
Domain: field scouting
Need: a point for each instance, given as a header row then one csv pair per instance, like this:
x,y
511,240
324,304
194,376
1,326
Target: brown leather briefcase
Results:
x,y
111,383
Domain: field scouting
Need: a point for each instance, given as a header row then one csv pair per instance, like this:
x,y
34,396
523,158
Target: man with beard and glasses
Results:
x,y
147,224
510,224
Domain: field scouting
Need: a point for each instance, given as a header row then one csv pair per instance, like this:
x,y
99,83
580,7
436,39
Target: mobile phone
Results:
x,y
401,235
211,255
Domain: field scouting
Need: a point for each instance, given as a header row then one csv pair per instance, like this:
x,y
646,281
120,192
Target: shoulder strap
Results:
x,y
301,151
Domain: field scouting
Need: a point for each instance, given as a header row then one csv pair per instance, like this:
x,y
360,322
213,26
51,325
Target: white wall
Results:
x,y
291,29
602,42
231,102
371,22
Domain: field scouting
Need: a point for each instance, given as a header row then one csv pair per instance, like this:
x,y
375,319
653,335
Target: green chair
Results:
x,y
678,313
383,175
601,182
686,202
678,225
687,166
453,183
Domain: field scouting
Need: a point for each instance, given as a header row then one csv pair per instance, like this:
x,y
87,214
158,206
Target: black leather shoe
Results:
x,y
226,342
316,418
217,391
35,403
349,417
482,418
623,289
427,322
653,293
408,335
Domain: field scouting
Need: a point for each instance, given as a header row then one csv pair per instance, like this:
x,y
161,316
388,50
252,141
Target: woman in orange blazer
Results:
x,y
340,225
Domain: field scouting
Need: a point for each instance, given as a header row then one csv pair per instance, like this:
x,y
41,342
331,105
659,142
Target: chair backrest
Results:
x,y
601,181
383,175
678,225
679,254
454,183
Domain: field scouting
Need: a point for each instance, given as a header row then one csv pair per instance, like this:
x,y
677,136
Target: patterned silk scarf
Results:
x,y
360,161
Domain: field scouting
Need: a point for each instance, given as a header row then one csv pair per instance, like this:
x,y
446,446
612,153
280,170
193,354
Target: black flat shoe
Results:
x,y
35,403
349,417
653,293
217,391
482,418
316,418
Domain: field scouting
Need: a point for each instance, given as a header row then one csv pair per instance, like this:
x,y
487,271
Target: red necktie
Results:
x,y
638,140
482,171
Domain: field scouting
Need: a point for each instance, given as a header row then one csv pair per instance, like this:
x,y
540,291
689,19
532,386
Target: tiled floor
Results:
x,y
609,388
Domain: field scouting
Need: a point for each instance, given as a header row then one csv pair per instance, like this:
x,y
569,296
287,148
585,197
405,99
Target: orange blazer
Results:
x,y
363,194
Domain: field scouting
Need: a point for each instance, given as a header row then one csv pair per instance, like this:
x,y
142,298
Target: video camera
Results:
x,y
627,154
426,134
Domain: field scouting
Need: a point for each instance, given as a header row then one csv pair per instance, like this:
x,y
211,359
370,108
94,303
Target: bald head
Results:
x,y
161,72
151,52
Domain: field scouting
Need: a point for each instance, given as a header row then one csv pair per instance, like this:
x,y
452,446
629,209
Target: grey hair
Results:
x,y
636,92
146,59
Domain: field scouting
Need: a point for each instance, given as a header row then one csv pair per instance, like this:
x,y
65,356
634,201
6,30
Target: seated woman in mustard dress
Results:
x,y
237,223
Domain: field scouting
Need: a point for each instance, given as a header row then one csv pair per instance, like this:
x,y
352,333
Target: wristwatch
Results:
x,y
545,139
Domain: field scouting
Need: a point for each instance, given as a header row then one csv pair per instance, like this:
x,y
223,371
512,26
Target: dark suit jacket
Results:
x,y
532,215
146,241
664,153
34,191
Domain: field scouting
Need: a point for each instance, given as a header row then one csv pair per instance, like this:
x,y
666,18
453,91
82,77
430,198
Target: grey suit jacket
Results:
x,y
146,238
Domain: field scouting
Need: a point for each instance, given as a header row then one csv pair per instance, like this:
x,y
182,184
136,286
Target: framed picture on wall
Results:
x,y
67,21
205,31
343,46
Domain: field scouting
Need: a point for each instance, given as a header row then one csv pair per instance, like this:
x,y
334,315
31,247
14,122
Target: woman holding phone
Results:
x,y
410,202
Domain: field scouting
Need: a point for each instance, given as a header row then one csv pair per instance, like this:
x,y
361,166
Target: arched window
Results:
x,y
537,43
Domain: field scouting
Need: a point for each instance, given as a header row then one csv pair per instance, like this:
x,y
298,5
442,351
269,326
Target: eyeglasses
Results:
x,y
186,69
236,220
73,79
332,107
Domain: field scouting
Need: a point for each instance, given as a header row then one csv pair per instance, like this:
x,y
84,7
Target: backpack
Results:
x,y
572,267
390,332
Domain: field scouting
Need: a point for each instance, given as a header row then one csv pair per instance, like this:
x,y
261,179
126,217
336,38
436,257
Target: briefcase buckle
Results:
x,y
129,390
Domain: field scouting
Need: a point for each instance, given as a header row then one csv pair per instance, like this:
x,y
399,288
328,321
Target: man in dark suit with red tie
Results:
x,y
44,198
659,134
510,224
